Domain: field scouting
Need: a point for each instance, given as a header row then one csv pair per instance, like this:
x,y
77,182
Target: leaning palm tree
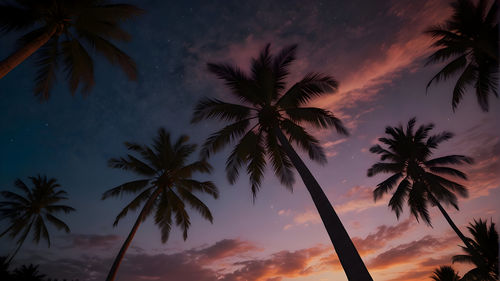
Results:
x,y
32,209
485,242
445,273
165,188
265,122
418,178
470,40
67,33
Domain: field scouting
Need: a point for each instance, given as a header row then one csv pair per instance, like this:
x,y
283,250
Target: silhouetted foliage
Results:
x,y
78,28
470,40
28,273
264,121
445,273
30,210
485,242
166,186
418,178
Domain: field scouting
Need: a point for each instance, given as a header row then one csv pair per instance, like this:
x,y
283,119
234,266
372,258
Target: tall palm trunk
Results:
x,y
455,228
126,244
24,52
349,257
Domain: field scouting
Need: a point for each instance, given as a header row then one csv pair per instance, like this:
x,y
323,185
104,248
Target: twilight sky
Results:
x,y
376,50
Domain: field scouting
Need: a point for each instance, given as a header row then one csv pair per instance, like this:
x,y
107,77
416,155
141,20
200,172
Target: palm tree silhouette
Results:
x,y
28,273
445,273
470,39
485,242
66,32
165,189
259,122
418,178
32,209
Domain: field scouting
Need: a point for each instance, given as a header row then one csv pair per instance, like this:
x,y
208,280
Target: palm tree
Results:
x,y
64,32
485,242
32,209
165,187
470,40
445,273
259,121
28,273
418,178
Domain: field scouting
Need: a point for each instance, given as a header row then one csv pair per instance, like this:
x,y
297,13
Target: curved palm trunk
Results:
x,y
349,257
24,52
126,244
455,228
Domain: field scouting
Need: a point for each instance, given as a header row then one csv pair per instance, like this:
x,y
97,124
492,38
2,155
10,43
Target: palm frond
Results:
x,y
208,108
304,140
385,186
449,171
317,117
467,78
240,84
129,187
112,53
449,159
47,63
281,65
281,164
223,137
133,205
15,18
398,198
59,224
383,167
240,155
78,65
449,70
311,86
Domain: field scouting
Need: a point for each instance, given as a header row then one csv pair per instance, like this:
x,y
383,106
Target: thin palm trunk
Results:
x,y
455,228
21,242
349,257
126,244
24,52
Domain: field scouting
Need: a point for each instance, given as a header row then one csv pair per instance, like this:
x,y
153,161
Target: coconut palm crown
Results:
x,y
264,120
31,210
445,273
67,33
485,242
468,42
262,105
418,177
166,187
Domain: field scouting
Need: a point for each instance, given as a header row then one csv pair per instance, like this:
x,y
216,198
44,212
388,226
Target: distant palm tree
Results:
x,y
28,273
470,39
31,209
485,242
64,32
445,273
165,189
259,122
418,178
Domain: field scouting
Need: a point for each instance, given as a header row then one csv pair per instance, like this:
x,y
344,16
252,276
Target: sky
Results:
x,y
375,49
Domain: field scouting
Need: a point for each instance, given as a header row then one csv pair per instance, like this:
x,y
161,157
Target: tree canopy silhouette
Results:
x,y
418,177
67,33
165,189
30,210
445,273
265,121
470,40
485,242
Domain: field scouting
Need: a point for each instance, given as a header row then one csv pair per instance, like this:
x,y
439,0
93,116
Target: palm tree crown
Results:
x,y
445,273
73,29
470,39
418,178
264,120
262,106
485,242
166,187
31,209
